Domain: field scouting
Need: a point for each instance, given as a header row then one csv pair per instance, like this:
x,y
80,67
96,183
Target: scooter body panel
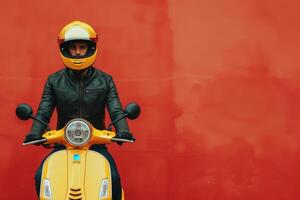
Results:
x,y
97,175
55,170
76,174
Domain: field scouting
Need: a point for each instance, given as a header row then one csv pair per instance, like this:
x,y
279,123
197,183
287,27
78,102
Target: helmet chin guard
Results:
x,y
77,31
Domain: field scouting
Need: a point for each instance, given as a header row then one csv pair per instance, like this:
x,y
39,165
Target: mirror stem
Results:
x,y
115,121
45,124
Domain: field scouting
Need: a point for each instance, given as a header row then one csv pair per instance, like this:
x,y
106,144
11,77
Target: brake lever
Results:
x,y
122,140
35,142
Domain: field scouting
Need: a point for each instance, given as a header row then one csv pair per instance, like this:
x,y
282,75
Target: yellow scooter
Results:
x,y
77,173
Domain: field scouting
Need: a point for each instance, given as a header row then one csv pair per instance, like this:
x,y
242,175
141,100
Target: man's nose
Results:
x,y
77,50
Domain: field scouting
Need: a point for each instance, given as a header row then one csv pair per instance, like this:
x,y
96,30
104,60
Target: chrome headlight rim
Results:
x,y
80,120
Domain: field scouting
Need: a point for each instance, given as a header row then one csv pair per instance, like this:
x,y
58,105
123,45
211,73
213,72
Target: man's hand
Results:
x,y
31,137
124,135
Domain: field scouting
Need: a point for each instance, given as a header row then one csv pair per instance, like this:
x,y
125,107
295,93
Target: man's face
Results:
x,y
78,49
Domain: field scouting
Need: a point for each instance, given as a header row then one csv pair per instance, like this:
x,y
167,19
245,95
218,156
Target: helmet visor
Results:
x,y
78,48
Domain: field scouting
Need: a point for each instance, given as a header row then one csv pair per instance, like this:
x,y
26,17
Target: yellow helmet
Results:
x,y
78,32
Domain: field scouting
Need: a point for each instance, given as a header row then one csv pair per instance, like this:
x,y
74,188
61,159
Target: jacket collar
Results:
x,y
79,75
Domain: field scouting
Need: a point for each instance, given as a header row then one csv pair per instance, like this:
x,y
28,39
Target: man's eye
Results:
x,y
83,47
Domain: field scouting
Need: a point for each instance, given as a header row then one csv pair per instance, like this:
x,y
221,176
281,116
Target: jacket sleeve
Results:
x,y
114,107
45,109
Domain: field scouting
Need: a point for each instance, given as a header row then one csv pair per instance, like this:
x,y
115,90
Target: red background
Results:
x,y
218,83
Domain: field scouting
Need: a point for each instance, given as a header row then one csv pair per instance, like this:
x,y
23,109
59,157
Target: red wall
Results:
x,y
218,83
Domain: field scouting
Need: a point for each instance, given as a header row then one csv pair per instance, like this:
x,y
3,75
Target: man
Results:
x,y
80,91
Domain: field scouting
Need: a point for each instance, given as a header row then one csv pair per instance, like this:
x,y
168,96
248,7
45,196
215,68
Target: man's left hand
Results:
x,y
124,135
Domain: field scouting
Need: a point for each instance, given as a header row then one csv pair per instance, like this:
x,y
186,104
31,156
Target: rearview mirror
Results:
x,y
132,110
24,111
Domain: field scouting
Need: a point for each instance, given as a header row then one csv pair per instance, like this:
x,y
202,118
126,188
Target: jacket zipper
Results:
x,y
80,97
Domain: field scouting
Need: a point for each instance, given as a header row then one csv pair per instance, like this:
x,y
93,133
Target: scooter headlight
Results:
x,y
78,132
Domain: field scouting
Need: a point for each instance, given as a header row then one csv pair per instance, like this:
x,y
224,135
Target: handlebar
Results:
x,y
45,140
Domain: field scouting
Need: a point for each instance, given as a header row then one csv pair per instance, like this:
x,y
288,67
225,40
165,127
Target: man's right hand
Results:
x,y
31,137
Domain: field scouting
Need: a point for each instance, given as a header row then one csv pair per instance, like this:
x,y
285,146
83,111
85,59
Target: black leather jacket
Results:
x,y
77,96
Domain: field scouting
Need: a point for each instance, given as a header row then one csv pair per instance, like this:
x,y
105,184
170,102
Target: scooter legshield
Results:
x,y
76,174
